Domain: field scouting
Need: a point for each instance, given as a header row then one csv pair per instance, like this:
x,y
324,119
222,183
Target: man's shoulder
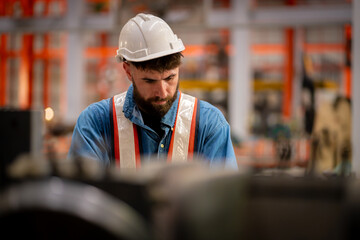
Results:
x,y
97,109
211,115
102,105
208,108
207,105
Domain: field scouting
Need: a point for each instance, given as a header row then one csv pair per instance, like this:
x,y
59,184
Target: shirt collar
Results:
x,y
132,112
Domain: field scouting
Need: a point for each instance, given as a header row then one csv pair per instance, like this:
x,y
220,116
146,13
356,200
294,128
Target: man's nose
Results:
x,y
160,89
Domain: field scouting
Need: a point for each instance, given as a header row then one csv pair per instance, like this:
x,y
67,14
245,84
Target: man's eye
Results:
x,y
150,81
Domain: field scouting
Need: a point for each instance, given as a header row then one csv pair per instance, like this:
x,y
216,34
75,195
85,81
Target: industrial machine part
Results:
x,y
60,209
179,201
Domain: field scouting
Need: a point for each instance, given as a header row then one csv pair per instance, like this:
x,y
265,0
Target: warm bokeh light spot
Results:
x,y
49,114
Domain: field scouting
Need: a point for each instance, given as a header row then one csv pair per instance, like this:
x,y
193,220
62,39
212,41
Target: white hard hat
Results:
x,y
145,37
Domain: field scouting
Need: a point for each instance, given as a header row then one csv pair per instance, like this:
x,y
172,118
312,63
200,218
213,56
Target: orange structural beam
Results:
x,y
26,72
46,7
198,50
347,73
323,47
347,68
201,50
2,8
46,80
268,49
49,53
194,50
12,54
8,7
98,52
3,60
288,72
27,7
26,82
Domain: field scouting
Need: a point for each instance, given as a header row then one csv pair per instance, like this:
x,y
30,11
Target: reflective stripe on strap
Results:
x,y
179,146
127,135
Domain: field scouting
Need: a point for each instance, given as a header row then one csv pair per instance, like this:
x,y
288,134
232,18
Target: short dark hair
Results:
x,y
160,64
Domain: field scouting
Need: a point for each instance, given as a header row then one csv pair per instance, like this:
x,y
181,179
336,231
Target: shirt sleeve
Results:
x,y
219,149
215,143
90,137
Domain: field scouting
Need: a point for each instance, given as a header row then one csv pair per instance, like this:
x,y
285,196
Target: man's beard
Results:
x,y
148,106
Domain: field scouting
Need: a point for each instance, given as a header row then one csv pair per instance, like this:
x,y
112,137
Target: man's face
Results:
x,y
154,92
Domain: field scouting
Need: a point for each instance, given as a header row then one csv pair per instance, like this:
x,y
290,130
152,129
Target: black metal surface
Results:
x,y
180,202
15,137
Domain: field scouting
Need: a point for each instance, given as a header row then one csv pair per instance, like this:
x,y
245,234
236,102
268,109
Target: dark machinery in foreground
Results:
x,y
78,200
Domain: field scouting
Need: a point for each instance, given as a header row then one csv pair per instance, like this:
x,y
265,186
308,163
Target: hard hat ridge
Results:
x,y
145,37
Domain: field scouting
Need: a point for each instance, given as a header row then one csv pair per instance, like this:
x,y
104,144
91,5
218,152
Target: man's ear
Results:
x,y
126,67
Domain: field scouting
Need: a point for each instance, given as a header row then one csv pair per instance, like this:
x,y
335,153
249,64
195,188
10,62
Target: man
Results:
x,y
153,119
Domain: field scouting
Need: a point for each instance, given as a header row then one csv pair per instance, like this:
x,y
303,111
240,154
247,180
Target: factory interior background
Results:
x,y
280,70
285,74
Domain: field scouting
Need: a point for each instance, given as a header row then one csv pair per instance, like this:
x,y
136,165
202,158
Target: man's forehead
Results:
x,y
156,74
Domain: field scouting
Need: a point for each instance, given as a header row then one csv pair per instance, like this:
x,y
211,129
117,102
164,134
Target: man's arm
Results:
x,y
215,143
91,134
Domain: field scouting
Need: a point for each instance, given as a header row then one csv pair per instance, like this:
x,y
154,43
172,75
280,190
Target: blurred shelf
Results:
x,y
208,85
259,85
326,84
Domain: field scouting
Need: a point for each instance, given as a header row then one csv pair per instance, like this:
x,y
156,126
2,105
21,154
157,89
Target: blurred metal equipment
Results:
x,y
79,199
228,205
20,133
302,208
60,209
193,203
129,188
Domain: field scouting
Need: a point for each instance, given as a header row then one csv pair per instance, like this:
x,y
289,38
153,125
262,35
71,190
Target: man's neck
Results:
x,y
153,123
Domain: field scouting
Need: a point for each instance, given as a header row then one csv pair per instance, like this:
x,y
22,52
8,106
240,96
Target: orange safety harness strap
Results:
x,y
116,135
126,142
137,151
170,151
193,131
182,139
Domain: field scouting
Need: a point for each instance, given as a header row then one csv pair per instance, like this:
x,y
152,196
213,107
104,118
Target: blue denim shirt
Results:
x,y
93,134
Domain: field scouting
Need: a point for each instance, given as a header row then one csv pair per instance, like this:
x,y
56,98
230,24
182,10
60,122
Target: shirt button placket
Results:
x,y
161,148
